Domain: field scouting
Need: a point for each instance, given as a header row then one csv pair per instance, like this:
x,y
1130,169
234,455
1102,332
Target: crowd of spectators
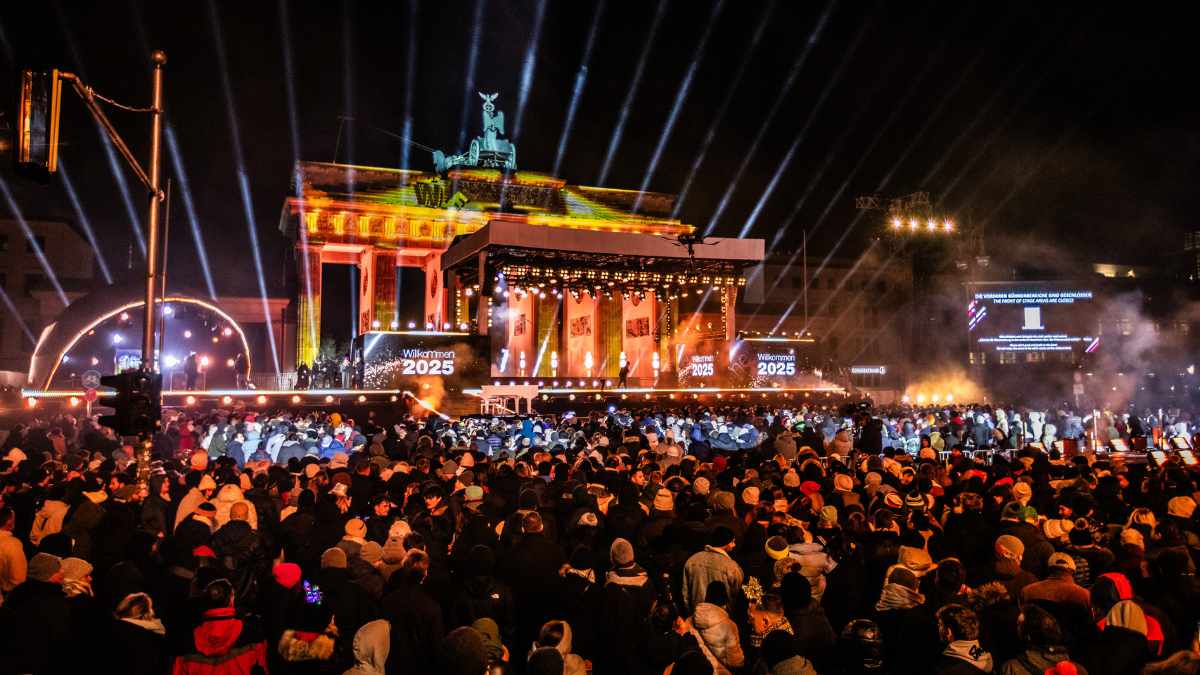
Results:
x,y
746,539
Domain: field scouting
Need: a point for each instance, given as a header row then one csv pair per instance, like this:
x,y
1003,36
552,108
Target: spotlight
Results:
x,y
569,397
261,400
226,400
31,402
949,398
216,339
395,325
328,398
190,400
117,338
74,401
393,398
227,332
95,361
362,399
229,363
167,310
124,316
948,226
187,334
375,323
66,359
412,324
170,361
204,361
295,399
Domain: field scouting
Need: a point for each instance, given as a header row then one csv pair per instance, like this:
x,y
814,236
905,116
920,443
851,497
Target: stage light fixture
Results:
x,y
190,400
31,402
261,400
295,399
74,401
230,363
329,398
226,400
362,399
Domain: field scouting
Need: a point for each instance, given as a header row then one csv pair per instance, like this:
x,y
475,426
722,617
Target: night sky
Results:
x,y
1063,127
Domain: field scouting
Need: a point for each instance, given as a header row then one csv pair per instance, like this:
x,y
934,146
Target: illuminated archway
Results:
x,y
74,324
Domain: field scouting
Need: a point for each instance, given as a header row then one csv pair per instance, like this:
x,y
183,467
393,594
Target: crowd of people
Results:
x,y
758,540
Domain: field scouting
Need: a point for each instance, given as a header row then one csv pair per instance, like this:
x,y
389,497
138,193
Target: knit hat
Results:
x,y
843,482
1132,537
1057,528
1022,492
1009,547
1181,507
810,487
829,515
333,558
199,460
356,528
1061,561
398,531
287,574
720,536
916,560
1013,511
750,496
701,485
203,551
723,501
207,483
339,461
491,638
621,553
664,500
777,548
791,479
371,552
473,494
462,652
74,569
915,501
42,566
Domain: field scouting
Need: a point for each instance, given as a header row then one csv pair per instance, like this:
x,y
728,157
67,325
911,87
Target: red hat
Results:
x,y
1007,480
810,488
204,552
286,574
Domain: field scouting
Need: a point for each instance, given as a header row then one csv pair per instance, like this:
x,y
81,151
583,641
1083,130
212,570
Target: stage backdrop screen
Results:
x,y
1032,317
406,360
770,362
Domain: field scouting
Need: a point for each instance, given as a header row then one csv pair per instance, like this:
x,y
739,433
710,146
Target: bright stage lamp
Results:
x,y
261,399
204,361
362,399
170,361
226,400
948,226
329,398
187,334
74,401
230,362
190,400
31,402
295,398
227,332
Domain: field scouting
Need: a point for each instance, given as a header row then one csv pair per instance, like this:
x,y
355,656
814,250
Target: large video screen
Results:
x,y
1032,317
408,360
770,362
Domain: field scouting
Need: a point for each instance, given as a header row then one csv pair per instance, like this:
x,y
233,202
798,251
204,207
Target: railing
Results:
x,y
272,381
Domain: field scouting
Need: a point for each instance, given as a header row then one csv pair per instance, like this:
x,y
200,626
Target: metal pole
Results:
x,y
162,290
159,58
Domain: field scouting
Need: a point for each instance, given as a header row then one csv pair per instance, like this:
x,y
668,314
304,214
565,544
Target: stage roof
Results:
x,y
517,241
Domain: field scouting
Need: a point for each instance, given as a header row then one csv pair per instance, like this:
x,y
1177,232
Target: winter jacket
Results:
x,y
225,499
371,644
12,562
1037,660
49,520
35,625
140,647
964,657
717,636
705,567
417,628
225,644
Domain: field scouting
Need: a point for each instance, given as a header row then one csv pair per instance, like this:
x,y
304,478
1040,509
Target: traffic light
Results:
x,y
136,402
36,130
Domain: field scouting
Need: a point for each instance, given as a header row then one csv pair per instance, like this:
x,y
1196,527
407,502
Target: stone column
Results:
x,y
366,293
385,315
308,313
435,295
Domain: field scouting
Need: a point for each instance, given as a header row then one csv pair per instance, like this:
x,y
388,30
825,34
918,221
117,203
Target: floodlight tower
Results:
x,y
916,232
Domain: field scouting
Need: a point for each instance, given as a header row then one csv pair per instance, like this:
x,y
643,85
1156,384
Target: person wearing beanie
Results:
x,y
462,652
714,563
662,515
37,645
701,486
725,513
1014,521
1007,569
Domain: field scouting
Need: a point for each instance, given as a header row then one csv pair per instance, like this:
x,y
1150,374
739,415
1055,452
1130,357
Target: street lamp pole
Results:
x,y
160,59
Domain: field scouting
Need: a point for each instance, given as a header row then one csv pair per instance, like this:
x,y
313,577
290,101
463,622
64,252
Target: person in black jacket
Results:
x,y
35,620
136,638
416,620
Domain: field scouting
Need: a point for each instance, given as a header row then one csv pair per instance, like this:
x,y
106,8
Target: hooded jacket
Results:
x,y
371,644
225,498
717,636
225,644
